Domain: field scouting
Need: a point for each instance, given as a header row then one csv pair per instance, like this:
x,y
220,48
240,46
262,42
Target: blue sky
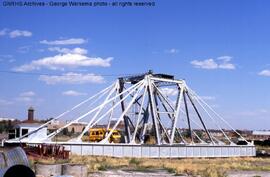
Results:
x,y
221,48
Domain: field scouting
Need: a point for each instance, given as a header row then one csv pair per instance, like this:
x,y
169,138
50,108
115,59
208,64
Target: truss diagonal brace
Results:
x,y
174,122
204,126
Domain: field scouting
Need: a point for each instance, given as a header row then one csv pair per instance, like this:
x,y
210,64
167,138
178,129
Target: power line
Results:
x,y
60,74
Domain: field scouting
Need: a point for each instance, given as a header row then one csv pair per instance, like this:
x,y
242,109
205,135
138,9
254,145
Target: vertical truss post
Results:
x,y
171,116
178,103
139,116
126,122
204,126
162,128
153,110
145,121
188,118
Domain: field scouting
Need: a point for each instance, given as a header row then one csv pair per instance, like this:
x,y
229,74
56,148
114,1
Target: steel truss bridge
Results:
x,y
160,117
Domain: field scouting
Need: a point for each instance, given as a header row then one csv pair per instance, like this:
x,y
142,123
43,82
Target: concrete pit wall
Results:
x,y
75,170
48,170
53,170
163,151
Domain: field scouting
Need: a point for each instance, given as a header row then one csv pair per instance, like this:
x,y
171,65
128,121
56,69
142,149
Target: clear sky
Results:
x,y
221,48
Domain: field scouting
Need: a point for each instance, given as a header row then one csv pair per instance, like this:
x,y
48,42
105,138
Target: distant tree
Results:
x,y
186,133
199,134
5,126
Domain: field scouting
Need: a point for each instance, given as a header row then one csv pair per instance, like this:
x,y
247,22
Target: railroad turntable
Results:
x,y
148,115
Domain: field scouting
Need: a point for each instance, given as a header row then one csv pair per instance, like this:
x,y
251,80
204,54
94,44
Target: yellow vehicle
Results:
x,y
98,134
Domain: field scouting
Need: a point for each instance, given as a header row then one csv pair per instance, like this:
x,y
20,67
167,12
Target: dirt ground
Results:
x,y
206,167
136,167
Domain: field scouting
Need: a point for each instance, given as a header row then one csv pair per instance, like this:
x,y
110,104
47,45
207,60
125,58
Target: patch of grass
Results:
x,y
192,167
103,167
49,160
213,172
170,170
134,161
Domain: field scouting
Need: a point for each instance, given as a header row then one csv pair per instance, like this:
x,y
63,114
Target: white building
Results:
x,y
262,135
25,128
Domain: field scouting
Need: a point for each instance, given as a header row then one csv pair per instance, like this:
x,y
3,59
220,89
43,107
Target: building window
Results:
x,y
24,131
11,134
18,132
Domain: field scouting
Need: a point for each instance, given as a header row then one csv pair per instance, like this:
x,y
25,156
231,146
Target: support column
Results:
x,y
177,113
126,122
153,110
188,118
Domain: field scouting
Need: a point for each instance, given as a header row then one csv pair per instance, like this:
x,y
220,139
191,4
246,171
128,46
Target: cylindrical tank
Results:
x,y
13,157
48,170
16,156
75,170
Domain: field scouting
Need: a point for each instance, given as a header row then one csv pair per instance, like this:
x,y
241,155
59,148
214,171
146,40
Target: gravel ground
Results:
x,y
249,174
161,173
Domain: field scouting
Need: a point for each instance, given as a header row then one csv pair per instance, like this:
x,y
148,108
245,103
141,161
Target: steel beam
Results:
x,y
187,114
153,110
126,122
177,111
204,126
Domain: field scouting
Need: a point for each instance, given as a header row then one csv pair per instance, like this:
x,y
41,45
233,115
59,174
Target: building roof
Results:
x,y
265,133
30,121
79,124
28,125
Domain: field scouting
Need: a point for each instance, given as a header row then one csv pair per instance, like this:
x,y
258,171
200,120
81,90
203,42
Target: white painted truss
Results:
x,y
147,108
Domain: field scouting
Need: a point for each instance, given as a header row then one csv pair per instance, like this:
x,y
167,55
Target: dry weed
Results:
x,y
217,167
